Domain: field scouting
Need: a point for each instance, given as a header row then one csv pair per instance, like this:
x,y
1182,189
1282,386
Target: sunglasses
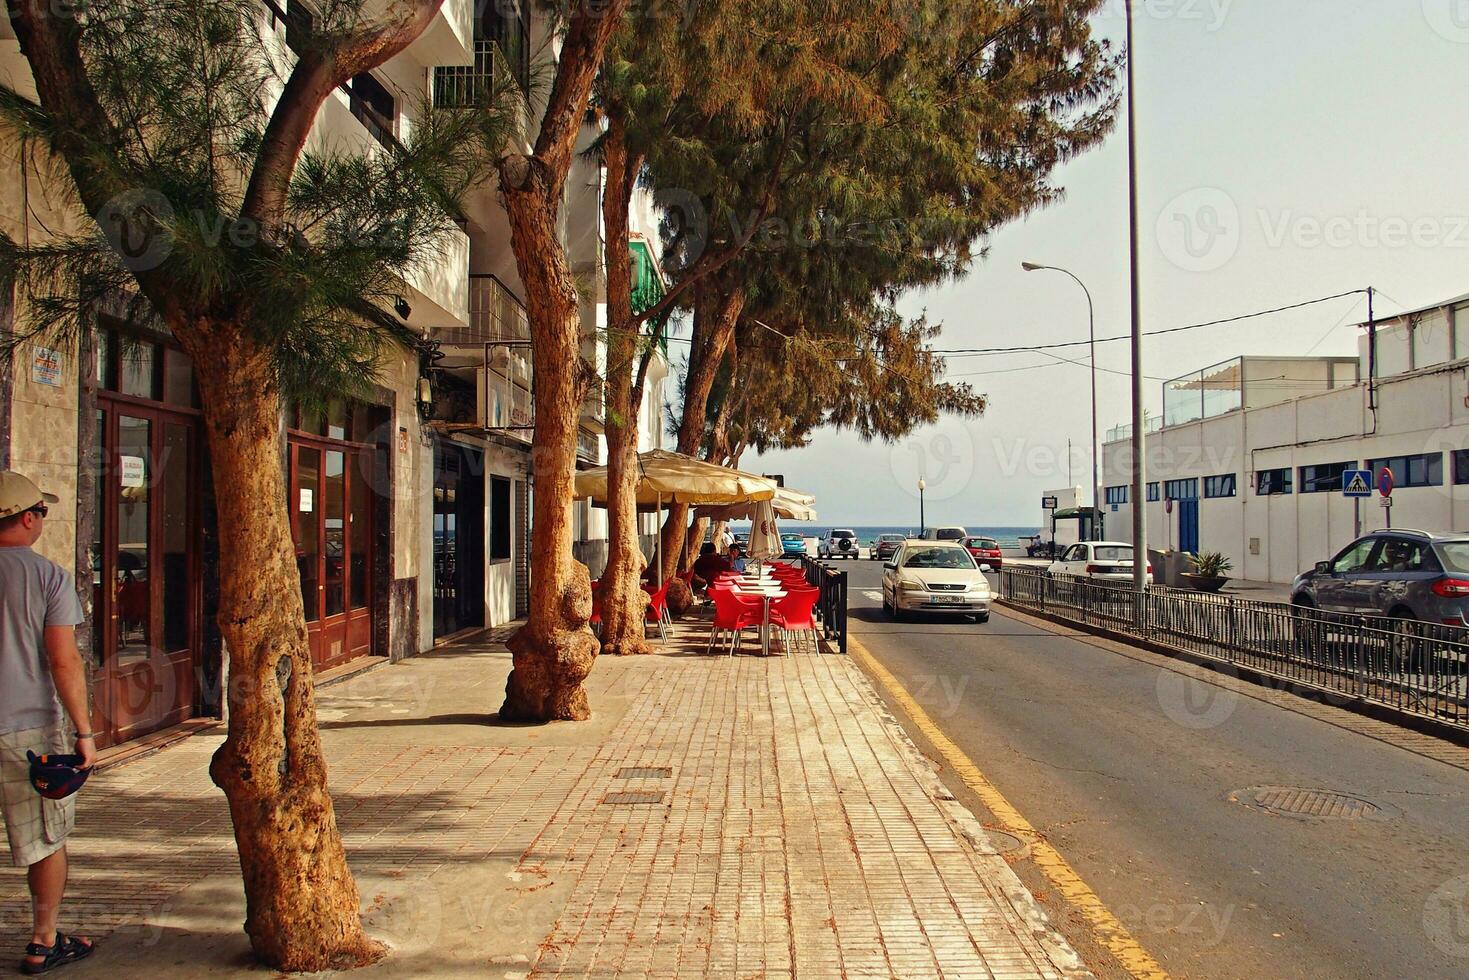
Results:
x,y
39,510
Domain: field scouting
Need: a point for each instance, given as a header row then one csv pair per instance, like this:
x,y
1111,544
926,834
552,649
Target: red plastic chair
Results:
x,y
733,614
658,608
792,613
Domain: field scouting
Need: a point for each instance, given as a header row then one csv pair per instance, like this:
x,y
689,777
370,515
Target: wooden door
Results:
x,y
146,579
331,522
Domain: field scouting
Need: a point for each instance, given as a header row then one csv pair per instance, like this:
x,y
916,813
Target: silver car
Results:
x,y
1399,573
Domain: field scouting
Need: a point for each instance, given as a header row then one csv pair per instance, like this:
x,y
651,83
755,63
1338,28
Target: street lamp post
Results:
x,y
1091,319
1139,470
922,525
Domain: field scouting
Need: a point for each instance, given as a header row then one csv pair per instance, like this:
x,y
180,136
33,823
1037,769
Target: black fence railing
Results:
x,y
831,606
1418,669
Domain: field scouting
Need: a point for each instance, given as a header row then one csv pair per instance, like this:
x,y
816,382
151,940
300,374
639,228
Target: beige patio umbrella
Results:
x,y
669,477
792,505
764,535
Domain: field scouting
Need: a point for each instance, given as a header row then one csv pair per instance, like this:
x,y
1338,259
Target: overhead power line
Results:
x,y
977,351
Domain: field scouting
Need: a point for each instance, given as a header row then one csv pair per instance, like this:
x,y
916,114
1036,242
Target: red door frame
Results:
x,y
347,635
160,689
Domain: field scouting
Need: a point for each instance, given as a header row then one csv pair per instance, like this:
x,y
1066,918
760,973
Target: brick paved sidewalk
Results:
x,y
796,830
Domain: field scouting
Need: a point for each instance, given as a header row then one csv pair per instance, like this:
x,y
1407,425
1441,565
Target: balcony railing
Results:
x,y
465,86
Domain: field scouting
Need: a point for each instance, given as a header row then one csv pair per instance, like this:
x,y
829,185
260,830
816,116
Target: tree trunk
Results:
x,y
693,542
554,651
716,311
624,603
302,907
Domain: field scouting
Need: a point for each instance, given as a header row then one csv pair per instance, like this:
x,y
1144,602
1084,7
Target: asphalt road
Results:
x,y
1127,769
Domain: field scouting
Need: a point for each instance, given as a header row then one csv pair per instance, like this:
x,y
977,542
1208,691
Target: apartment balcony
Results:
x,y
493,351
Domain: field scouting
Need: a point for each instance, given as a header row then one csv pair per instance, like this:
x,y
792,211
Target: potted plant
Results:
x,y
1209,572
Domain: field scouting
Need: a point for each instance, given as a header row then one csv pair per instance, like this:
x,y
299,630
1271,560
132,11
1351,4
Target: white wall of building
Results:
x,y
1273,538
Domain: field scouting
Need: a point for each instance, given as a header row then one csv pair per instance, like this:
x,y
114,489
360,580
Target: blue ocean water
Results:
x,y
1008,537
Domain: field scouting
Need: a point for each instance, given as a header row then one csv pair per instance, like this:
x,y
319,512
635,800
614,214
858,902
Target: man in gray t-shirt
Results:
x,y
42,685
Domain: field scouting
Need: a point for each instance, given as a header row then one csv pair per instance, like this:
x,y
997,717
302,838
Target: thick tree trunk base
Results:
x,y
550,666
680,597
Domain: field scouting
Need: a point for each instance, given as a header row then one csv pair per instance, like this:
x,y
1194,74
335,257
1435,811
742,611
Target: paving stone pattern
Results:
x,y
800,832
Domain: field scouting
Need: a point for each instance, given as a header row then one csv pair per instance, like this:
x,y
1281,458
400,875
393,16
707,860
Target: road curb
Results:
x,y
1111,934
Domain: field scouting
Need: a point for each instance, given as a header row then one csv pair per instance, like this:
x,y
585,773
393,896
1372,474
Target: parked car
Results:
x,y
953,533
1106,560
935,576
839,543
1402,574
792,545
885,545
986,551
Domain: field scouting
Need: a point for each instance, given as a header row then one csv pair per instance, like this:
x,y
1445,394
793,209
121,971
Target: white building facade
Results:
x,y
1249,456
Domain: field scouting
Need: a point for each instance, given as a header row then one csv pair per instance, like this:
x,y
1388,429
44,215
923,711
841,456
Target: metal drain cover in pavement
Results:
x,y
1320,804
645,772
633,798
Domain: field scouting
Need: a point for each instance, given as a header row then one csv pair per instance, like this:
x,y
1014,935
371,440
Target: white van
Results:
x,y
945,534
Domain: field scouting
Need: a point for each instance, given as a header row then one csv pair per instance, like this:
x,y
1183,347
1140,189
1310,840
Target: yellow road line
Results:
x,y
1109,930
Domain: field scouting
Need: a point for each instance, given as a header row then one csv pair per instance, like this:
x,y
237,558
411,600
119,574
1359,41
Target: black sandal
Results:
x,y
68,949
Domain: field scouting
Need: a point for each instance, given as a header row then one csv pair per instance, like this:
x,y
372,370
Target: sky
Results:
x,y
1286,151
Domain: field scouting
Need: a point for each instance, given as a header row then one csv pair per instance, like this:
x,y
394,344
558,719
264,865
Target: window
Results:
x,y
1182,489
373,105
1117,495
1461,456
1269,483
1398,555
499,519
1155,493
1220,486
1324,477
1425,470
1355,558
1117,553
509,25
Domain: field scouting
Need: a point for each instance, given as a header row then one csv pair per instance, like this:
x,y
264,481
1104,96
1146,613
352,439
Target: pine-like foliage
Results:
x,y
187,87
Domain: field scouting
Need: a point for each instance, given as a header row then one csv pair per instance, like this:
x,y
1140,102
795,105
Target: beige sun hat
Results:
x,y
18,493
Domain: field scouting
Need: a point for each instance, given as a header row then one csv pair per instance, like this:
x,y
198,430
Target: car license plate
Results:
x,y
952,600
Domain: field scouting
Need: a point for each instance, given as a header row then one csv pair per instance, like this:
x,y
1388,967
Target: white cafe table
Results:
x,y
766,591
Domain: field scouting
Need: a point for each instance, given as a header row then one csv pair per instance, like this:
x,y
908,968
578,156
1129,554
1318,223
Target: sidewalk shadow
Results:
x,y
489,720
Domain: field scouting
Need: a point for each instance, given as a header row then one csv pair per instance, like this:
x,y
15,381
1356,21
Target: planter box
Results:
x,y
1205,583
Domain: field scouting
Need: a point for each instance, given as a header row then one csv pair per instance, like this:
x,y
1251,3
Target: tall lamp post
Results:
x,y
1139,471
1091,319
922,525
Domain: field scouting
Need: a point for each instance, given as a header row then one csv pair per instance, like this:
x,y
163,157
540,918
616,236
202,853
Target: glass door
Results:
x,y
332,523
145,576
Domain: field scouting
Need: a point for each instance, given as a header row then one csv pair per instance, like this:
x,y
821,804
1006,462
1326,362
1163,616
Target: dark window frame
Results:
x,y
1278,482
500,519
1403,470
1461,466
1220,486
1118,495
1185,489
1324,477
1155,492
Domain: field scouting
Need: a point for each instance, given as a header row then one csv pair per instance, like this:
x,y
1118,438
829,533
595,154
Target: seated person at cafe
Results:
x,y
709,564
737,558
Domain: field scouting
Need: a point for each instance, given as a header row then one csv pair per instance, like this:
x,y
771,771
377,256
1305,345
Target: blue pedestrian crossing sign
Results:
x,y
1356,483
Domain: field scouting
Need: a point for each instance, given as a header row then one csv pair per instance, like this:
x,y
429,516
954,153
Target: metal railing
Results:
x,y
1416,669
831,605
